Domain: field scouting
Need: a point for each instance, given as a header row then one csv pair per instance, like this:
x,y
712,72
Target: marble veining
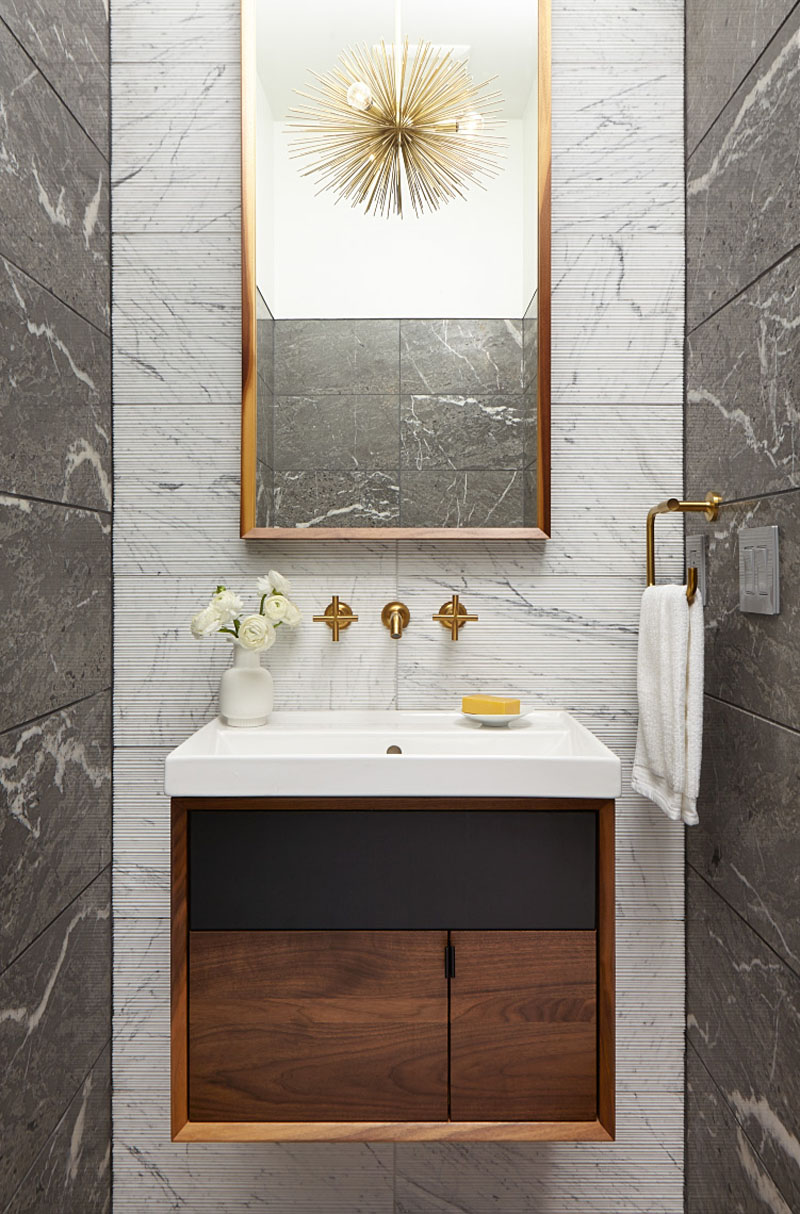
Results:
x,y
742,418
750,1055
55,795
750,154
475,356
72,1174
56,386
762,678
744,845
53,192
70,47
55,564
54,1022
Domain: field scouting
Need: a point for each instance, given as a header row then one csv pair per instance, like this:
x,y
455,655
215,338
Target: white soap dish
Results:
x,y
496,719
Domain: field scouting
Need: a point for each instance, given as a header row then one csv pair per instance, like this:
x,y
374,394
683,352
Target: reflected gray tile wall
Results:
x,y
530,410
743,354
427,418
55,598
265,412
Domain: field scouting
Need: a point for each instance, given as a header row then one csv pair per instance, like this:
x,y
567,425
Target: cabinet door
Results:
x,y
523,1026
317,1026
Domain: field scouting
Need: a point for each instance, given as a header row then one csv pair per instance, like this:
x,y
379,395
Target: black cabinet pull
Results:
x,y
449,961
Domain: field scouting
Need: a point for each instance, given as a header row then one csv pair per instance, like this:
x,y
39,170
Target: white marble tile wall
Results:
x,y
557,619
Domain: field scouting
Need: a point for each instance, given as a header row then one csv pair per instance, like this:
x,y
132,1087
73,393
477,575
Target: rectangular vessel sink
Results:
x,y
349,754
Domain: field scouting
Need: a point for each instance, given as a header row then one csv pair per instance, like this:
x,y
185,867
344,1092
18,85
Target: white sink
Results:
x,y
344,754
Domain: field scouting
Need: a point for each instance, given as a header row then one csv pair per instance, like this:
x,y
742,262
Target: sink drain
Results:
x,y
393,750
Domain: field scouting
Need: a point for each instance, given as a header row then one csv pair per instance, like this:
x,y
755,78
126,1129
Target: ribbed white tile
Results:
x,y
618,31
174,31
176,137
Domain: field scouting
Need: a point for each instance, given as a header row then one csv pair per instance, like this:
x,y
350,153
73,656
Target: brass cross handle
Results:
x,y
453,615
337,616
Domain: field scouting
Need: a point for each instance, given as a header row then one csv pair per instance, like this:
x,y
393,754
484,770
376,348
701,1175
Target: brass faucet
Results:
x,y
337,616
453,615
395,616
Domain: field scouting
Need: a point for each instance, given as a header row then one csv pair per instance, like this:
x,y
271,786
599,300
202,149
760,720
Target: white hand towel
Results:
x,y
669,743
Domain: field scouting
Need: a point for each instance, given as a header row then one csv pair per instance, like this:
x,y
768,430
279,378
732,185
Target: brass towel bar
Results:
x,y
710,506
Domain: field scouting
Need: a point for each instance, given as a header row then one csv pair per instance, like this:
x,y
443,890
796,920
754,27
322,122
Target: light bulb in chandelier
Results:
x,y
359,96
471,124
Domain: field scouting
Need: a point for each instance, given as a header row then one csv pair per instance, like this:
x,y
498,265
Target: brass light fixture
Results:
x,y
397,120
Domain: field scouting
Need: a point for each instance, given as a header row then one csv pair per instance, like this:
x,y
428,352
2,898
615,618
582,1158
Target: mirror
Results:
x,y
396,269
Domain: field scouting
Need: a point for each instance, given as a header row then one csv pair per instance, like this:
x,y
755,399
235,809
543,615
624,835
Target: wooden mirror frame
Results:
x,y
248,530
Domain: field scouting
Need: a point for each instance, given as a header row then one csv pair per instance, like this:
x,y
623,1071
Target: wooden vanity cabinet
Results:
x,y
393,970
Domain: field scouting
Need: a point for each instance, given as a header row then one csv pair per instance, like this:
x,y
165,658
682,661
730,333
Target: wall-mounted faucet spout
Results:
x,y
395,616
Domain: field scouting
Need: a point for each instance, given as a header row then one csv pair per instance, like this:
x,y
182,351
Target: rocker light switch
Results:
x,y
759,582
696,555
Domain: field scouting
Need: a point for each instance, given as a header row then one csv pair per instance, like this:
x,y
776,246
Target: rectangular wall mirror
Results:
x,y
396,269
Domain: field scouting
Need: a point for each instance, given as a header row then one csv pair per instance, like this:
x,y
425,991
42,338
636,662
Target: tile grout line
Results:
x,y
100,872
731,1110
778,956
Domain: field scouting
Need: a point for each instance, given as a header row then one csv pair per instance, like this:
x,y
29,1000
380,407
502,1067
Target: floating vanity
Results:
x,y
393,925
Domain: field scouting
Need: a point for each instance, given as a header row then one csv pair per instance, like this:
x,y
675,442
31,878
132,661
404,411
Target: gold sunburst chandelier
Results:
x,y
392,121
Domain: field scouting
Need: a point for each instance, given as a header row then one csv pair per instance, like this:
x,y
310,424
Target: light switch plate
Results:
x,y
759,581
696,555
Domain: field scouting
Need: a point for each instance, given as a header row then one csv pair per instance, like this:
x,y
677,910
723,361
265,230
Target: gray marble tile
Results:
x,y
743,1018
72,1173
435,498
265,423
175,128
331,357
55,1018
746,841
336,499
336,433
55,601
530,496
724,1173
743,384
461,432
723,40
264,494
753,660
55,373
741,198
53,190
530,345
69,44
464,356
265,343
55,816
530,427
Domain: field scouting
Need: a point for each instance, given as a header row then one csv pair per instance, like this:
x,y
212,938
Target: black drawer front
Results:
x,y
392,870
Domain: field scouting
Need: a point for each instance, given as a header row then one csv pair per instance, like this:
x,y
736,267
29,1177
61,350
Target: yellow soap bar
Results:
x,y
490,706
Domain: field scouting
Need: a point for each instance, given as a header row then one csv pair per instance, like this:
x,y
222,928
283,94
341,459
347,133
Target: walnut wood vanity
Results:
x,y
392,968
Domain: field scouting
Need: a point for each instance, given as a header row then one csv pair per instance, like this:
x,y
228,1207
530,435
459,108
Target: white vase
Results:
x,y
245,690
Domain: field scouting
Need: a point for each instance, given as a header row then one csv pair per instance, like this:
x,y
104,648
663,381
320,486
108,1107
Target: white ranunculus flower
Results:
x,y
264,584
255,632
275,607
279,583
205,622
292,616
227,604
